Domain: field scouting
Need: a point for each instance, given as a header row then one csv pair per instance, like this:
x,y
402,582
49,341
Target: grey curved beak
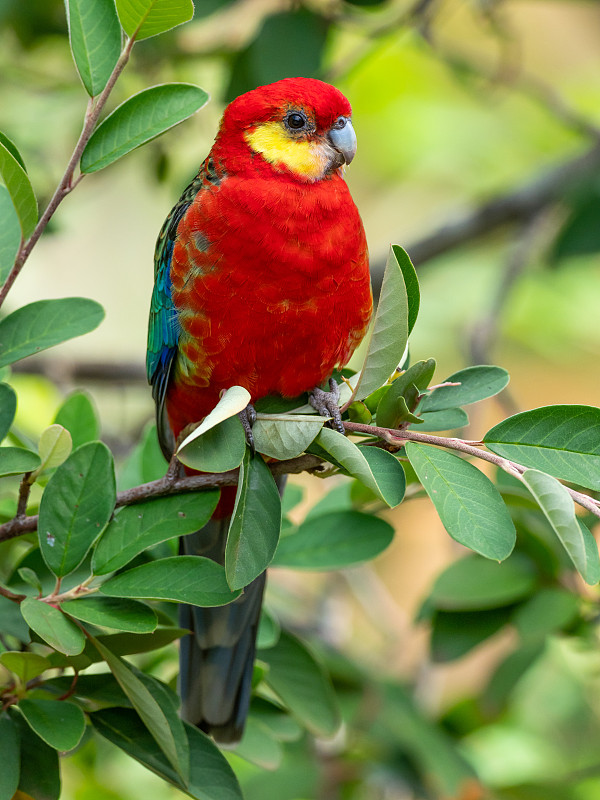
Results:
x,y
344,140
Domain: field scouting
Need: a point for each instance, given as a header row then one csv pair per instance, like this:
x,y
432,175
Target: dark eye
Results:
x,y
296,121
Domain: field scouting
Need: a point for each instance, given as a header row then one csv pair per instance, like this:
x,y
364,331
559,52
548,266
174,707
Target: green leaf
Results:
x,y
387,339
55,446
579,234
301,683
10,233
160,719
30,577
78,415
11,760
140,526
113,612
16,460
268,630
43,781
12,149
45,323
285,436
255,523
559,510
334,541
258,746
8,408
412,285
219,442
560,440
183,579
25,665
76,506
218,450
447,420
59,724
376,468
549,610
53,627
476,383
140,119
95,37
15,179
469,505
390,411
211,777
145,18
474,583
454,634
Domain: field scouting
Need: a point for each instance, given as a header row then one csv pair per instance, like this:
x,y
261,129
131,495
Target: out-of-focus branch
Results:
x,y
519,205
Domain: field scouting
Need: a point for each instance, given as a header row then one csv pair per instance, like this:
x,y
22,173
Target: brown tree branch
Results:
x,y
164,487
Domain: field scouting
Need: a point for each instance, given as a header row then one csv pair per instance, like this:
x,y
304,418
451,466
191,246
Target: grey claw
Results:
x,y
326,403
248,418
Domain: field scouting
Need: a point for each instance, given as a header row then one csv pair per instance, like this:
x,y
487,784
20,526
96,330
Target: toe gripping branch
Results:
x,y
248,418
327,404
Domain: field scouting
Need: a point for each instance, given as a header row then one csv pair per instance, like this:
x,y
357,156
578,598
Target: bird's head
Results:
x,y
297,126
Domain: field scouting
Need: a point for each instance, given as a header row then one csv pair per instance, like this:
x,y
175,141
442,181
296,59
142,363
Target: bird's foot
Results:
x,y
248,418
327,404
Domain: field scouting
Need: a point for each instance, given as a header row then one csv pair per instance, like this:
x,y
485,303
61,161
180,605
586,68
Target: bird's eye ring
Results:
x,y
296,121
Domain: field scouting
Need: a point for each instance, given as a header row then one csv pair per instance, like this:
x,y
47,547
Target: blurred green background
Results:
x,y
479,151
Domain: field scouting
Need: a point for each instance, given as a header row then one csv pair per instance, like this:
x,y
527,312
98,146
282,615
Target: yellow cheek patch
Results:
x,y
309,159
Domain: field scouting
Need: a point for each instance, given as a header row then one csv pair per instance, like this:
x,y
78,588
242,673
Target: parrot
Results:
x,y
261,281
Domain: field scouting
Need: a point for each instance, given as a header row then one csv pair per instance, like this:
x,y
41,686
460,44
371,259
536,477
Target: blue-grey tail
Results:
x,y
216,659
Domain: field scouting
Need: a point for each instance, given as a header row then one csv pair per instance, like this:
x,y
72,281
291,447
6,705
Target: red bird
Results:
x,y
261,281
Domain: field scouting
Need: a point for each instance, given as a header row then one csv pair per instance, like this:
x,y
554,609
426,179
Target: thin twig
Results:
x,y
67,182
399,437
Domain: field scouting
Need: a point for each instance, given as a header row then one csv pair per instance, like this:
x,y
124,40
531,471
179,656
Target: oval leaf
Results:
x,y
16,460
469,505
15,179
447,420
78,415
300,681
113,612
138,120
43,781
137,527
389,333
560,440
160,718
53,627
475,383
219,449
8,408
334,541
183,579
211,777
285,436
95,38
559,510
144,18
76,506
11,766
390,412
10,234
474,583
255,523
376,468
43,324
55,446
231,402
59,724
25,665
